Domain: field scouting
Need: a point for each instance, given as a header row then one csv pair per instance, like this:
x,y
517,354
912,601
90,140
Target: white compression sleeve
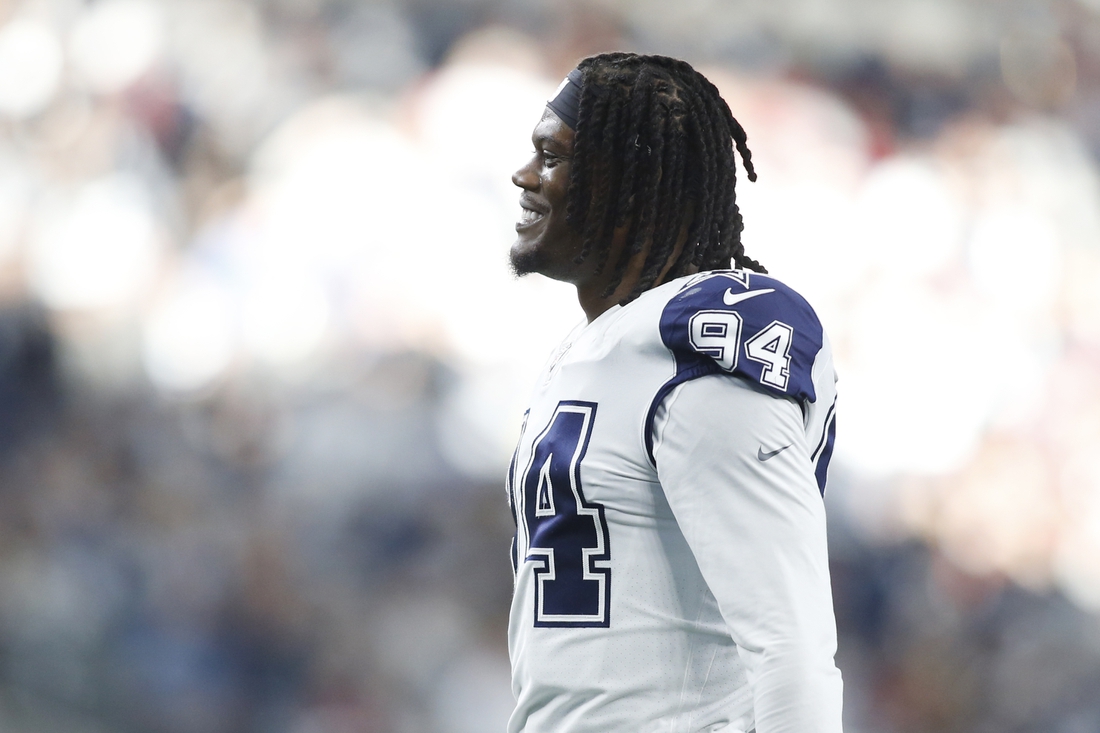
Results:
x,y
735,467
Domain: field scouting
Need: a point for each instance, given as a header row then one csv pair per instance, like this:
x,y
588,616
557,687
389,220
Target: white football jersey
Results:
x,y
670,557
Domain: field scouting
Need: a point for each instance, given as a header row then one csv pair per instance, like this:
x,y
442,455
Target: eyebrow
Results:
x,y
545,140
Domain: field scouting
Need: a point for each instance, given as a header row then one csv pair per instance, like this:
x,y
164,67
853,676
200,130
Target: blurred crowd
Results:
x,y
262,361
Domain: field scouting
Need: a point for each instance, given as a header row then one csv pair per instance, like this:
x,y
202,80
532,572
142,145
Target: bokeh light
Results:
x,y
114,42
98,247
30,67
190,333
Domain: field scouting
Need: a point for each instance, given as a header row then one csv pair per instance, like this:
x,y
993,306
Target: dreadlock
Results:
x,y
653,149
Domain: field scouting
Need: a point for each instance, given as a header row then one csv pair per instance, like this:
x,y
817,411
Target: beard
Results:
x,y
526,262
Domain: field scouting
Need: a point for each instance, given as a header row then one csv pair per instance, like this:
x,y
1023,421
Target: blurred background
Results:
x,y
262,362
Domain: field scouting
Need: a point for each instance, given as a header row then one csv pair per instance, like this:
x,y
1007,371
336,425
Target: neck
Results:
x,y
590,293
593,301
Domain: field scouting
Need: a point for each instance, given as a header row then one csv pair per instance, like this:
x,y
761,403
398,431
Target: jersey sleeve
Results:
x,y
745,325
820,416
736,470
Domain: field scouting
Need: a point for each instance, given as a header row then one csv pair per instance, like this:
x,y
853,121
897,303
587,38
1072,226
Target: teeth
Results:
x,y
527,216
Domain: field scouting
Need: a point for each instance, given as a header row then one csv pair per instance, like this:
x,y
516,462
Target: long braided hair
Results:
x,y
654,149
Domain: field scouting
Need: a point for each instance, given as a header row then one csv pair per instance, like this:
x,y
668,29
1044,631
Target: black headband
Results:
x,y
567,100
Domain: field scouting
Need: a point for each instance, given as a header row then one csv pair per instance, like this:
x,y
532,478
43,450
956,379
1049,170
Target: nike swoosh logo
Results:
x,y
761,455
731,298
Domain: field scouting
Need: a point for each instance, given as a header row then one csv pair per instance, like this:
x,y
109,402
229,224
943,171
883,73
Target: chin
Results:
x,y
525,260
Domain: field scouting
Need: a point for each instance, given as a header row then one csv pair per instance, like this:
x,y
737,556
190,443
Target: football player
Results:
x,y
670,559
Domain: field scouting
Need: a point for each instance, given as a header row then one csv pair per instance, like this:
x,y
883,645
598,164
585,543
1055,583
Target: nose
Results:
x,y
526,177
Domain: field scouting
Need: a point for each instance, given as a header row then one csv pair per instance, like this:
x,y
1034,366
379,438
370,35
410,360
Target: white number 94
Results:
x,y
718,335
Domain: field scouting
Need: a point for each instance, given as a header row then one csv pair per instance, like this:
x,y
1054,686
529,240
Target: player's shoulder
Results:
x,y
752,295
744,323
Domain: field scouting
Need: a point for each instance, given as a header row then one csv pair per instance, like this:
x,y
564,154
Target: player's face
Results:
x,y
545,243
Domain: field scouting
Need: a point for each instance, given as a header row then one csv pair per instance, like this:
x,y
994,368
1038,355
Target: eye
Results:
x,y
552,159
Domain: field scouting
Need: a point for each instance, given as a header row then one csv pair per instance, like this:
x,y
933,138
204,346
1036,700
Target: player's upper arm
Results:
x,y
736,470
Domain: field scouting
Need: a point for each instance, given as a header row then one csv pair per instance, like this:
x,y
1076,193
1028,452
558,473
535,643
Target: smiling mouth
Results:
x,y
529,217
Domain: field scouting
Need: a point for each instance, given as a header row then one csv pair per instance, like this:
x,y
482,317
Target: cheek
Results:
x,y
556,184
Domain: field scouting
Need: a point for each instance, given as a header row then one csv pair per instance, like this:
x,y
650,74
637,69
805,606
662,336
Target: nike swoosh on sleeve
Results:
x,y
731,298
761,455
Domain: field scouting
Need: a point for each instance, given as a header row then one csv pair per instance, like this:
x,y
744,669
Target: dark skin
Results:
x,y
546,244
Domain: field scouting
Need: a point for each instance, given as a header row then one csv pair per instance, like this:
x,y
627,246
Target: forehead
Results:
x,y
550,130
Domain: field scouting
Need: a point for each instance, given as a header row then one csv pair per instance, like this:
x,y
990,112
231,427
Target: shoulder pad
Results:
x,y
746,324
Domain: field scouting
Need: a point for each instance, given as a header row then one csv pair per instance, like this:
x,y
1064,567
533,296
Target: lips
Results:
x,y
531,213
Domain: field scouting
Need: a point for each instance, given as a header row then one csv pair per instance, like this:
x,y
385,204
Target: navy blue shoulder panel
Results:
x,y
740,323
